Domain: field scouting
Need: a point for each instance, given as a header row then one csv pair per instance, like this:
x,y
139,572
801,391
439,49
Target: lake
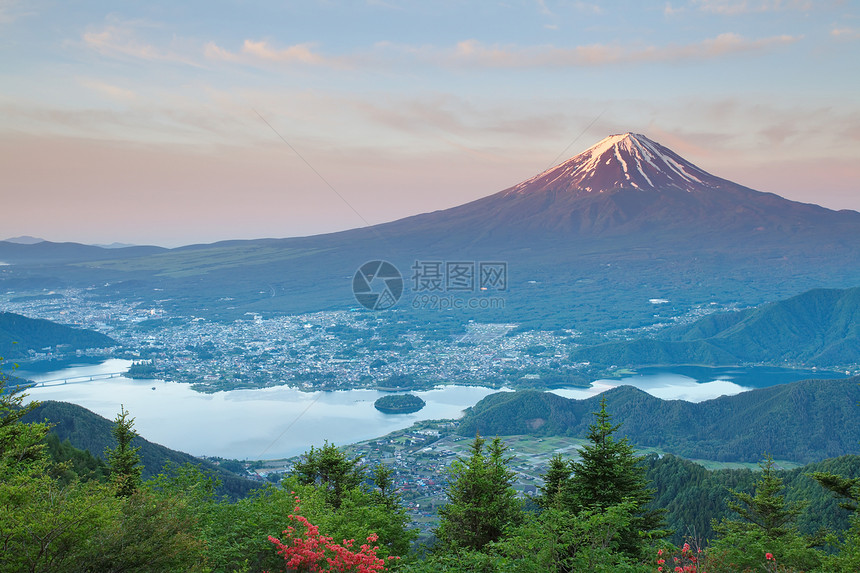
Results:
x,y
269,423
281,422
700,383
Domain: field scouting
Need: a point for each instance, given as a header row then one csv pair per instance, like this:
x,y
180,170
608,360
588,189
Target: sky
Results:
x,y
172,123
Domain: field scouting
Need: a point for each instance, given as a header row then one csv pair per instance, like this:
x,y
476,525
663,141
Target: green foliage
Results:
x,y
76,463
820,326
124,459
152,532
89,431
19,335
846,488
66,525
399,404
559,541
481,500
607,475
847,557
694,497
767,525
333,495
767,509
45,526
329,469
523,412
555,481
791,421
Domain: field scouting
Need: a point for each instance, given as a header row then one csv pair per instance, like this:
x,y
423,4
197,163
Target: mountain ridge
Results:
x,y
20,334
820,327
586,262
803,421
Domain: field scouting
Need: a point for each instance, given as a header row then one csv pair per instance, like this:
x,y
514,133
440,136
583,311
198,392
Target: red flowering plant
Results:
x,y
687,560
305,550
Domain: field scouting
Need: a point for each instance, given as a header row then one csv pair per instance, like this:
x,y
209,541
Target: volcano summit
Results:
x,y
592,239
618,162
630,186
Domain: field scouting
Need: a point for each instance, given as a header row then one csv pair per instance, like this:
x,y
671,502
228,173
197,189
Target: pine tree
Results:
x,y
330,469
846,488
608,474
482,502
767,510
20,443
386,493
767,525
124,459
555,482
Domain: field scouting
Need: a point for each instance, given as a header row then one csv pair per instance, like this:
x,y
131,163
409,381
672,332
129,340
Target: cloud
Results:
x,y
735,7
10,11
112,91
542,8
845,33
255,52
474,53
669,10
120,39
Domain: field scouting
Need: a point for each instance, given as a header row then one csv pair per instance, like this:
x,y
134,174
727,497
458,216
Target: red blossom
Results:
x,y
317,553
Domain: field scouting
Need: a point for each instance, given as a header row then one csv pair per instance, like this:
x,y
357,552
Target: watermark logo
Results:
x,y
377,285
459,276
437,285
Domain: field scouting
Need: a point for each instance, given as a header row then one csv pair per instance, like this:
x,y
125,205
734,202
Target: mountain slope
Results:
x,y
89,431
803,421
820,327
628,184
19,334
586,243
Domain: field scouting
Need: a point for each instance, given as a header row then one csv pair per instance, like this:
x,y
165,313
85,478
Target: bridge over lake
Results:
x,y
79,379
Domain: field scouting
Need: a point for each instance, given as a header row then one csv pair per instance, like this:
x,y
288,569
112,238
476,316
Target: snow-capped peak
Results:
x,y
627,160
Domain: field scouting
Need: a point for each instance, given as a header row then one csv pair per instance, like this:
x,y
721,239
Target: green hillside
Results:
x,y
693,495
803,421
19,335
820,327
88,431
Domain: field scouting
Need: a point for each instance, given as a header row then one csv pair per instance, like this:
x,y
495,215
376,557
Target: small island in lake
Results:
x,y
399,404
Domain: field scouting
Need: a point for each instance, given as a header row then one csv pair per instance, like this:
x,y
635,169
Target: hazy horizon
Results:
x,y
181,124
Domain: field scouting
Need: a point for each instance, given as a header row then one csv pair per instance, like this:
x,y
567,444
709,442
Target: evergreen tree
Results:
x,y
385,493
482,502
555,482
20,443
767,510
846,488
767,525
608,474
124,459
330,469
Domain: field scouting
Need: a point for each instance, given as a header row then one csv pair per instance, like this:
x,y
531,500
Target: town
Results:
x,y
333,350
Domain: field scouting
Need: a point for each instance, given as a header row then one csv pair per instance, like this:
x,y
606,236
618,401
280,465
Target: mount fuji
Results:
x,y
587,243
630,186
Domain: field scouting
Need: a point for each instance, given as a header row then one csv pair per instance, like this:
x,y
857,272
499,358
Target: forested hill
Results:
x,y
694,496
820,327
89,431
19,334
804,421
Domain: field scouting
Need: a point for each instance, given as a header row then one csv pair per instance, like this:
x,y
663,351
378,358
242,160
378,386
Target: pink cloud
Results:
x,y
474,53
262,52
845,33
735,7
120,40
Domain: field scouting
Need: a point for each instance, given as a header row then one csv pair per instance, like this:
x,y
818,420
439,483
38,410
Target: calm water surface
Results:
x,y
280,422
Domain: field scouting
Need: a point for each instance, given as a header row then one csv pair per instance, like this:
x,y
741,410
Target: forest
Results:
x,y
608,510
